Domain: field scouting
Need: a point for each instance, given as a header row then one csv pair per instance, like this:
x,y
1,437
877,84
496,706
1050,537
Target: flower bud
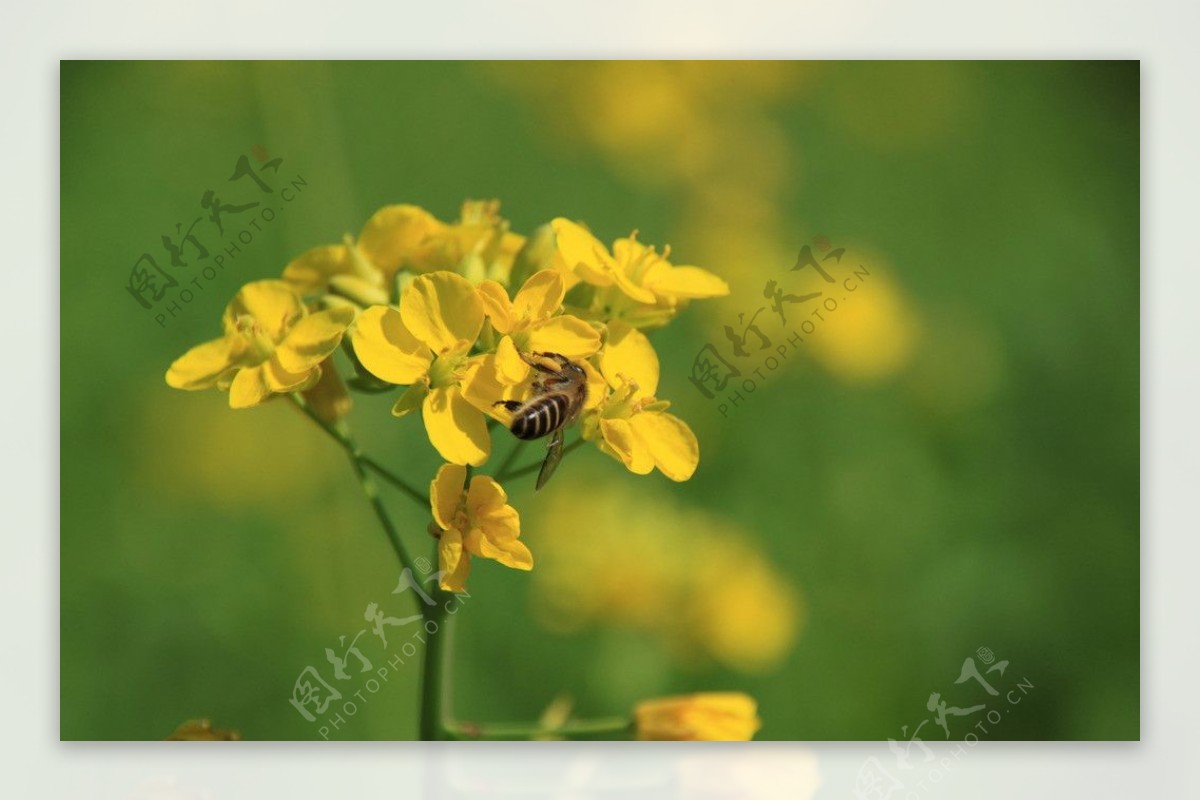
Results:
x,y
702,716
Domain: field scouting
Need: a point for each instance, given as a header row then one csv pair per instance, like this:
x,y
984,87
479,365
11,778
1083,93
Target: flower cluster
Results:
x,y
459,320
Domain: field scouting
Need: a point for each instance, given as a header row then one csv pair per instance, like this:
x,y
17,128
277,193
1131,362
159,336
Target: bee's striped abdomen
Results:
x,y
540,416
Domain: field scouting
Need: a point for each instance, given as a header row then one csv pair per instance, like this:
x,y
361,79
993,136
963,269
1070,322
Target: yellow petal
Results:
x,y
566,335
496,305
625,251
510,552
670,442
485,495
482,387
442,309
358,291
453,561
313,338
703,716
540,296
280,379
457,429
582,253
396,236
629,353
387,348
201,366
687,282
273,304
510,367
249,388
445,491
623,443
500,524
311,270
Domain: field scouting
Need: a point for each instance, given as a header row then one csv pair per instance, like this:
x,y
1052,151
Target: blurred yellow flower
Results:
x,y
408,238
474,522
424,345
702,716
630,424
736,583
271,344
872,335
686,577
634,282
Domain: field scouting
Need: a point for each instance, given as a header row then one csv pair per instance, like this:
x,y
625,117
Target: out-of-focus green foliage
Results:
x,y
950,464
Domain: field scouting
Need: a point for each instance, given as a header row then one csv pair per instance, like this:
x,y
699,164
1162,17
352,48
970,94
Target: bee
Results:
x,y
558,398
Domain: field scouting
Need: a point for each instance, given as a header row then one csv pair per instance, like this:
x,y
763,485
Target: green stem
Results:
x,y
397,482
600,729
434,617
342,436
435,665
358,462
512,457
501,476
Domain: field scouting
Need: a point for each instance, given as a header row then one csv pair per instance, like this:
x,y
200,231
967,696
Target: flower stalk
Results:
x,y
435,665
360,463
611,728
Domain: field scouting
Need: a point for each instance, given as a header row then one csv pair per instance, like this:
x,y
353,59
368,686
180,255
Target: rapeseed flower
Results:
x,y
403,240
629,423
474,521
529,323
702,716
633,282
425,345
271,344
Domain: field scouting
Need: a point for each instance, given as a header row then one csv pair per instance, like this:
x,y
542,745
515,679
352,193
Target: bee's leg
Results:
x,y
509,405
558,359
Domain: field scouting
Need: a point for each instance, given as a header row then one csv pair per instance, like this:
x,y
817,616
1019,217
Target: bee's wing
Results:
x,y
553,457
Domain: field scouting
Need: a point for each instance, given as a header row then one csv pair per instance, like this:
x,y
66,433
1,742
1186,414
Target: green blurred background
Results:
x,y
950,463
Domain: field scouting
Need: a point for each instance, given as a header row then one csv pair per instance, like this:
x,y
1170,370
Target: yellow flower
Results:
x,y
634,282
424,345
479,246
408,238
703,716
272,344
673,586
528,324
630,423
722,600
873,335
474,522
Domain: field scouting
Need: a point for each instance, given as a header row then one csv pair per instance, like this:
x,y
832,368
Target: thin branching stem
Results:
x,y
341,435
529,468
599,729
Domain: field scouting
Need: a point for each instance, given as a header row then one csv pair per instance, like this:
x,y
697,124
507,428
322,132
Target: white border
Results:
x,y
34,36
